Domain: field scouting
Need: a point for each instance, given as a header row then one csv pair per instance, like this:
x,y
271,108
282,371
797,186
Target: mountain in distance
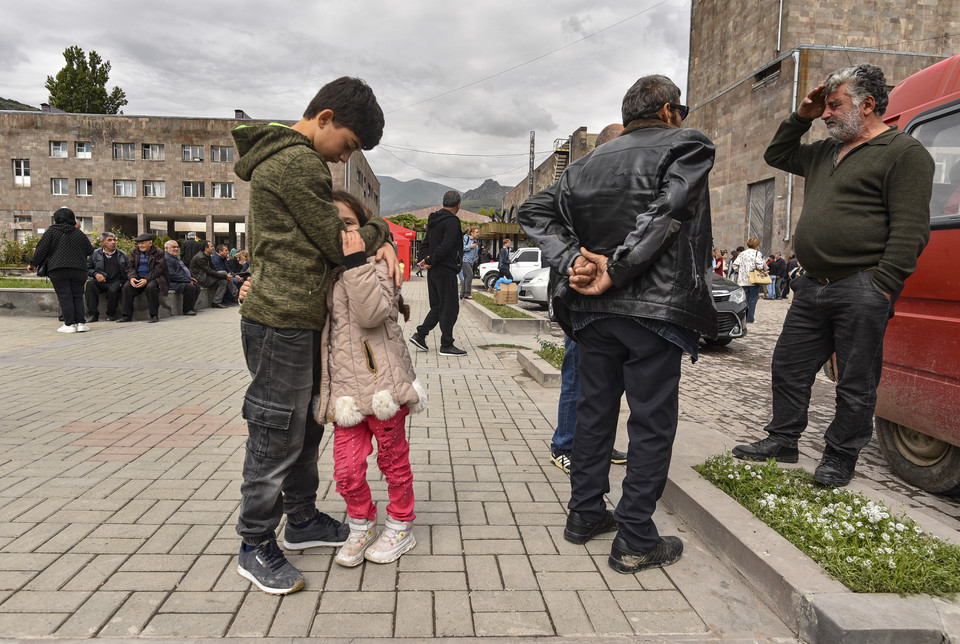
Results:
x,y
10,104
398,197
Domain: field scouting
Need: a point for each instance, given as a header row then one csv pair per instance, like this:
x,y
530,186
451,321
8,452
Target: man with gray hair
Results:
x,y
864,221
442,253
628,228
106,271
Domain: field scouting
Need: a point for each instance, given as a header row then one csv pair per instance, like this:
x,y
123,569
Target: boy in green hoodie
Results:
x,y
293,235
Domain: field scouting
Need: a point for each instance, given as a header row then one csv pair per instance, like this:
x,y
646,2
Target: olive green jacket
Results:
x,y
293,230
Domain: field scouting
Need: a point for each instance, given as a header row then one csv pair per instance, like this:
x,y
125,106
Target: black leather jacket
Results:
x,y
642,200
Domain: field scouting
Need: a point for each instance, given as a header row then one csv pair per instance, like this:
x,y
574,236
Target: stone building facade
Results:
x,y
133,174
750,65
565,151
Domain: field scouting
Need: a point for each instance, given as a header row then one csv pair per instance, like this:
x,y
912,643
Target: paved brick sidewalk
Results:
x,y
120,464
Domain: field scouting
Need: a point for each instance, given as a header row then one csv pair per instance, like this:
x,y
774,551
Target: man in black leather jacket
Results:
x,y
628,229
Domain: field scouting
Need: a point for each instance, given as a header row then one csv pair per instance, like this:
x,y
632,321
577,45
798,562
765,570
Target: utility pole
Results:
x,y
530,178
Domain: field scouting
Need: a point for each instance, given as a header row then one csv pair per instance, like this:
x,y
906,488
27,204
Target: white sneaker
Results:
x,y
81,327
67,328
395,540
361,537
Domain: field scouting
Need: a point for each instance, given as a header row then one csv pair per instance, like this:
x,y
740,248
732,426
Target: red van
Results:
x,y
918,404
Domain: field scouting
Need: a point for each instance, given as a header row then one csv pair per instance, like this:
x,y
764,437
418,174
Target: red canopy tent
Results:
x,y
404,238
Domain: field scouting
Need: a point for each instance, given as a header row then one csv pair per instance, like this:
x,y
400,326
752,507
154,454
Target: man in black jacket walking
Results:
x,y
442,253
628,229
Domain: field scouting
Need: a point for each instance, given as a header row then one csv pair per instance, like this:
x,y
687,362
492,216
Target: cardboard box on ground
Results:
x,y
506,295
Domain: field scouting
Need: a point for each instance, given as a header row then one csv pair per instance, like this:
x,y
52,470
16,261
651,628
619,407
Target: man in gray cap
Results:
x,y
146,273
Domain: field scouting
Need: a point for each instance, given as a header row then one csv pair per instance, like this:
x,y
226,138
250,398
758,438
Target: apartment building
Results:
x,y
134,174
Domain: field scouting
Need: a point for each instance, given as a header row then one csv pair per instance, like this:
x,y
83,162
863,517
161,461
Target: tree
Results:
x,y
81,86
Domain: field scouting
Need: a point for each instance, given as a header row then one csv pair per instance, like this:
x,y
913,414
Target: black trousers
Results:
x,y
189,292
130,292
92,295
442,289
68,285
617,355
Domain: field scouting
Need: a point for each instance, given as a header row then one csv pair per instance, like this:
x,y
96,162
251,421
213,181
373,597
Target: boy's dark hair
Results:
x,y
353,105
363,215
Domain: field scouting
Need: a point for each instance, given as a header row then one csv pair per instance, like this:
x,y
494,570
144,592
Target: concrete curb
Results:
x,y
539,369
497,324
42,302
796,589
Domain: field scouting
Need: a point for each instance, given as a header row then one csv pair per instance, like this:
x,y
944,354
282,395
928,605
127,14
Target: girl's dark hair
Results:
x,y
404,308
363,215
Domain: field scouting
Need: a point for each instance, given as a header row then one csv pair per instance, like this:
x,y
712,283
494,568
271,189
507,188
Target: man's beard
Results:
x,y
846,128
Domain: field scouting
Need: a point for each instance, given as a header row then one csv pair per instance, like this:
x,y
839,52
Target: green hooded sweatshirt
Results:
x,y
293,230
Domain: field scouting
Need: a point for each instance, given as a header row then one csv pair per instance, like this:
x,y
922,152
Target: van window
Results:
x,y
941,137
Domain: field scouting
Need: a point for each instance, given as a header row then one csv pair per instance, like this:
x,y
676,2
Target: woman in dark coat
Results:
x,y
65,249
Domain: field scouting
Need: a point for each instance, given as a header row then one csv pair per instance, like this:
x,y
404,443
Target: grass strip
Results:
x,y
859,542
500,310
24,282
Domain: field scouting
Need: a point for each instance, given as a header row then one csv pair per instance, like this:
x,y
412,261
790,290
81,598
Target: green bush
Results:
x,y
552,352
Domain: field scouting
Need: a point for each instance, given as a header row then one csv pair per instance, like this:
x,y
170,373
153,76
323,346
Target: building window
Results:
x,y
193,189
84,150
193,153
124,188
222,190
86,224
152,152
221,154
124,151
84,187
21,172
58,149
154,189
22,219
58,187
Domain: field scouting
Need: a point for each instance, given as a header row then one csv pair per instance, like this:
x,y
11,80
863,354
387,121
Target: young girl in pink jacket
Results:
x,y
372,388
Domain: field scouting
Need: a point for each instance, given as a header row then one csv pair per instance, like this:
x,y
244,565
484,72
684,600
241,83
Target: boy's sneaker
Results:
x,y
419,342
617,457
361,537
267,568
81,327
67,328
321,530
561,458
395,540
452,351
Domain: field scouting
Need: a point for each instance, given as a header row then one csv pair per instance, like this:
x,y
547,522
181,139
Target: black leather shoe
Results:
x,y
623,559
217,305
580,531
124,319
834,469
767,448
153,319
93,318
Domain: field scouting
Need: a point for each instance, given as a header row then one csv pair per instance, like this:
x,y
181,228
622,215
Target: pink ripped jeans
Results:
x,y
352,446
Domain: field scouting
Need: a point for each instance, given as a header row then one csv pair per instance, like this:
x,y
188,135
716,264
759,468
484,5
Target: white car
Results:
x,y
535,286
523,261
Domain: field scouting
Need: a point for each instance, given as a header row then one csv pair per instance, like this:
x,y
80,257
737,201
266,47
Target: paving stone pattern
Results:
x,y
120,467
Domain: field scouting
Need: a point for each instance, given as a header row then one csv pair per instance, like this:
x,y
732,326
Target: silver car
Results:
x,y
533,288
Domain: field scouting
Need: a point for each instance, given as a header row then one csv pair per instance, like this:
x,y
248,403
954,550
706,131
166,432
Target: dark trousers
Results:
x,y
92,293
280,464
130,292
617,355
444,305
68,285
849,318
466,273
753,294
189,292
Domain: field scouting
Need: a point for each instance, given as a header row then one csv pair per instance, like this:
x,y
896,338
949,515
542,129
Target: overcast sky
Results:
x,y
457,78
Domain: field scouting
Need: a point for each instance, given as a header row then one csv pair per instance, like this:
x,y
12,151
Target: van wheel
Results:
x,y
921,460
490,279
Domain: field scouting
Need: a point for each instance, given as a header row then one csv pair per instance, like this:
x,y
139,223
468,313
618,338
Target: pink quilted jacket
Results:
x,y
367,368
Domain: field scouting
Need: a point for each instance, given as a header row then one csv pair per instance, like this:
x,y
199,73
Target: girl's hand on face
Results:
x,y
352,242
